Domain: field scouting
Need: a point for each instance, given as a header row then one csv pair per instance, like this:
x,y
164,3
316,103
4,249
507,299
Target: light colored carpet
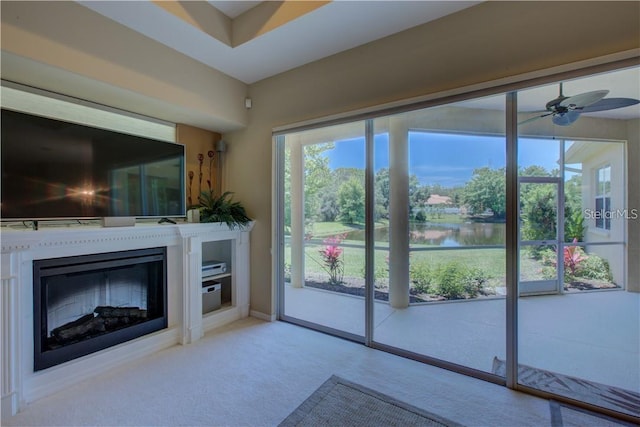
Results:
x,y
339,402
255,373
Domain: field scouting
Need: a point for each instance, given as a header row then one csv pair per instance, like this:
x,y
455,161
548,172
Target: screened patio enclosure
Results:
x,y
470,236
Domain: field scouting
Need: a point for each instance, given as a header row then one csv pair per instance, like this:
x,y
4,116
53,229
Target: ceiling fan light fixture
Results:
x,y
565,119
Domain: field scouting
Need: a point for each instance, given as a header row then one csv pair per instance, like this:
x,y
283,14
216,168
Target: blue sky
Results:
x,y
446,159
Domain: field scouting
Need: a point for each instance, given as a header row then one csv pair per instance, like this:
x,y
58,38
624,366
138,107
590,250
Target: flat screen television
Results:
x,y
53,169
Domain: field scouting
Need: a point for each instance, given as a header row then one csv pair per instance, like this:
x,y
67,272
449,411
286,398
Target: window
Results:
x,y
603,198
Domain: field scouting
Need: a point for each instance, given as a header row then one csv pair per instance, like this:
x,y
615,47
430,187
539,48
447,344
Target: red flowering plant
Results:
x,y
573,256
332,257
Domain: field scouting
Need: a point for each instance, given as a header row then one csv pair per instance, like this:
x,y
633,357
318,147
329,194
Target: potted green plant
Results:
x,y
221,208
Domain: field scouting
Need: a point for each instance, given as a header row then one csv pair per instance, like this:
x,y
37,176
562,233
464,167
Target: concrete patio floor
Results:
x,y
590,335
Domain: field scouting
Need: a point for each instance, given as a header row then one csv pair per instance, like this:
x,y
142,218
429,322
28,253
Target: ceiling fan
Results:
x,y
565,110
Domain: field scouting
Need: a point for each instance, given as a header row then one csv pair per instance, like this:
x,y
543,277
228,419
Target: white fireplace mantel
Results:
x,y
186,324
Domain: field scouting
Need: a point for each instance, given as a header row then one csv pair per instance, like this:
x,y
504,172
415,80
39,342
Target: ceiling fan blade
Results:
x,y
583,99
566,119
609,104
531,119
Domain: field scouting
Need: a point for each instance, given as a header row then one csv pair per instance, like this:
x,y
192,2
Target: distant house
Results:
x,y
436,199
443,203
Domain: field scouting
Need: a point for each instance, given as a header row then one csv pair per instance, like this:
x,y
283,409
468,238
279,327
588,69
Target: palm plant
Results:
x,y
222,209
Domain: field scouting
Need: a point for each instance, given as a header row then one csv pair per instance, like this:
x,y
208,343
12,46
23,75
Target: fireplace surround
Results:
x,y
187,245
86,303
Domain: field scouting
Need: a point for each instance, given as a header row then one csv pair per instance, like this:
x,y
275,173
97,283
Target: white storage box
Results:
x,y
211,293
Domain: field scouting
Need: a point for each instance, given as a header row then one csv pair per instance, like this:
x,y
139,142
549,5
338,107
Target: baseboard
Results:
x,y
220,317
262,316
9,405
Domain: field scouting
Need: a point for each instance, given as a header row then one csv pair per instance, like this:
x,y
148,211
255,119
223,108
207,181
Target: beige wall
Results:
x,y
486,42
198,142
633,202
609,155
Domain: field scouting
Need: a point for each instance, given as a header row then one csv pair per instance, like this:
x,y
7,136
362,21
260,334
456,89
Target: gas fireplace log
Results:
x,y
85,325
130,312
103,319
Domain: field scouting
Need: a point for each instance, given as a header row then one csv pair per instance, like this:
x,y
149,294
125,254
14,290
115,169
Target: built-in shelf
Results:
x,y
216,277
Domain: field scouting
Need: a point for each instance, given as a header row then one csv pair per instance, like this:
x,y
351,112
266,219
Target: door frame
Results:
x,y
549,286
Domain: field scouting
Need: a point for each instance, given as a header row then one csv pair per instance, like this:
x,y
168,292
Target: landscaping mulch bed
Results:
x,y
346,288
588,285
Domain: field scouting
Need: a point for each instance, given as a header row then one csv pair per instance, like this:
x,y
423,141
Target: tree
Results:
x,y
341,175
382,193
573,215
417,202
486,190
539,212
329,208
351,202
382,187
538,205
414,199
534,170
317,178
456,194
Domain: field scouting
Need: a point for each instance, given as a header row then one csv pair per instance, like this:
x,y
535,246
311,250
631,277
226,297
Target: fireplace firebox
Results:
x,y
87,303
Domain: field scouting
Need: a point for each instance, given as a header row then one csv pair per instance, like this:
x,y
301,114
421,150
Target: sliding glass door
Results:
x,y
494,236
578,309
322,229
446,216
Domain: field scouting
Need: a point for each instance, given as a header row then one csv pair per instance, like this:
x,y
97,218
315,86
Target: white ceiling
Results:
x,y
327,30
233,9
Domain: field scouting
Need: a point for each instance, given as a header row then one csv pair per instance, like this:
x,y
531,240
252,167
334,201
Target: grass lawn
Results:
x,y
446,218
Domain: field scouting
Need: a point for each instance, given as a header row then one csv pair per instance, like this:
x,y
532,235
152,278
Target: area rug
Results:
x,y
618,399
563,415
339,402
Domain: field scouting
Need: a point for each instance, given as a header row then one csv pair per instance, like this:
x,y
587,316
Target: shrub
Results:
x,y
576,264
475,280
450,280
420,273
574,225
594,267
574,257
287,272
380,272
421,217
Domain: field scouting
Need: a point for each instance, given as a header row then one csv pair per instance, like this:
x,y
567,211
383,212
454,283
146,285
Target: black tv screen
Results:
x,y
53,169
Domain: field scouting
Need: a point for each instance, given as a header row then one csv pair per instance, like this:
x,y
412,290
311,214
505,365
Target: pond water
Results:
x,y
442,234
